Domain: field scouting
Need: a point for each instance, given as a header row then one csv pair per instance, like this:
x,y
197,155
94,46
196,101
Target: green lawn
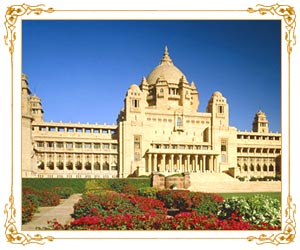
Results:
x,y
276,195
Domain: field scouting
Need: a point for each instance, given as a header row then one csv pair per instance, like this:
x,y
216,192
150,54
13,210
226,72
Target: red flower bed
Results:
x,y
114,211
152,221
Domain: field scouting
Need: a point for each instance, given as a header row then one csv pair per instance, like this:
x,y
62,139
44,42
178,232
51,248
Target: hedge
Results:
x,y
78,185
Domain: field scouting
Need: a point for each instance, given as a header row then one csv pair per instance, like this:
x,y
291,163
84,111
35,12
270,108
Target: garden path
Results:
x,y
62,213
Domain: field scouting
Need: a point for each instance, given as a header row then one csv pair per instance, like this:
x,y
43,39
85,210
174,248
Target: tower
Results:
x,y
28,157
260,123
36,108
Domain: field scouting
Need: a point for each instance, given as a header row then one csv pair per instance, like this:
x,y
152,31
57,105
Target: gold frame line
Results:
x,y
15,11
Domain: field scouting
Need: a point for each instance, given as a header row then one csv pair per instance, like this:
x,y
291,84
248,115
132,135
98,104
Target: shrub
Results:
x,y
63,192
96,186
29,206
148,192
45,198
112,203
253,179
202,203
256,210
205,203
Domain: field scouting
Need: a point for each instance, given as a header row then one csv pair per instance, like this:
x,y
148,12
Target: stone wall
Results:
x,y
162,182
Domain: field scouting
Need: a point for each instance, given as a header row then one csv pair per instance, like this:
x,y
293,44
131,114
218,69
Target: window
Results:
x,y
50,144
61,129
79,130
69,145
40,144
96,131
87,145
78,145
179,122
97,145
70,130
114,146
105,146
161,90
59,144
88,130
221,109
135,103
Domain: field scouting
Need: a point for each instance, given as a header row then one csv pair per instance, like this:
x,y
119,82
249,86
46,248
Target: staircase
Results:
x,y
223,183
211,182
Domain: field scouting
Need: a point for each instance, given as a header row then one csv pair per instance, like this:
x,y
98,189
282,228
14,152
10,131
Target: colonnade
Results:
x,y
181,163
68,161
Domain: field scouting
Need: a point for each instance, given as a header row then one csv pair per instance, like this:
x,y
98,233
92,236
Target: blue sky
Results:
x,y
82,69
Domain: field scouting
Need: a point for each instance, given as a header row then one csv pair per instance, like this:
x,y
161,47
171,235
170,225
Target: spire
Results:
x,y
166,58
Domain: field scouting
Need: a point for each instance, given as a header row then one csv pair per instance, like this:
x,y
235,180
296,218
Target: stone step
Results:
x,y
211,177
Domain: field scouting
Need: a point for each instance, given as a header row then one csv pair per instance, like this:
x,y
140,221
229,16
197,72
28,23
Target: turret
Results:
x,y
219,109
36,108
260,123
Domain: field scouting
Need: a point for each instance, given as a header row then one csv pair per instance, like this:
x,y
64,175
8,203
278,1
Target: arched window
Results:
x,y
179,122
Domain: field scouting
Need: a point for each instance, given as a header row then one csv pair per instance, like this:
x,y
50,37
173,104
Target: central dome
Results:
x,y
166,69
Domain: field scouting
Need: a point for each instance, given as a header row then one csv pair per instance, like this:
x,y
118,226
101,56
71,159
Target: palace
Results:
x,y
159,129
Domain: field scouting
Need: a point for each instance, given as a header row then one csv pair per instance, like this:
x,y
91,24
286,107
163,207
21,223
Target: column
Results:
x,y
149,162
163,163
196,163
204,163
65,162
180,162
188,163
155,163
172,163
92,162
54,161
215,168
210,164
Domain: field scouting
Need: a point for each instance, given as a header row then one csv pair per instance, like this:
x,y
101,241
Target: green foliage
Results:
x,y
256,209
205,203
48,184
148,192
202,203
96,186
78,185
63,192
275,195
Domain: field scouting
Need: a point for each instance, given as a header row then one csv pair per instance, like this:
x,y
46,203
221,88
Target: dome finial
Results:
x,y
166,58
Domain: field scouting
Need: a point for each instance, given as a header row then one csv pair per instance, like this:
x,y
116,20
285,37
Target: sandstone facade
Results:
x,y
158,130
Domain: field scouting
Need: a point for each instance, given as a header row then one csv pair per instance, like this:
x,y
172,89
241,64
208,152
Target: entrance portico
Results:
x,y
183,162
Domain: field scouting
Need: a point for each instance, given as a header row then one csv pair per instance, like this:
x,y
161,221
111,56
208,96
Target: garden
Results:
x,y
134,205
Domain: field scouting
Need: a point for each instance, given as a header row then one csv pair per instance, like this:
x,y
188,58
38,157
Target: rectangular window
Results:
x,y
135,103
114,146
40,144
59,144
221,109
87,145
69,145
97,145
137,147
70,129
105,146
96,131
78,145
52,129
79,130
87,130
50,144
61,129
